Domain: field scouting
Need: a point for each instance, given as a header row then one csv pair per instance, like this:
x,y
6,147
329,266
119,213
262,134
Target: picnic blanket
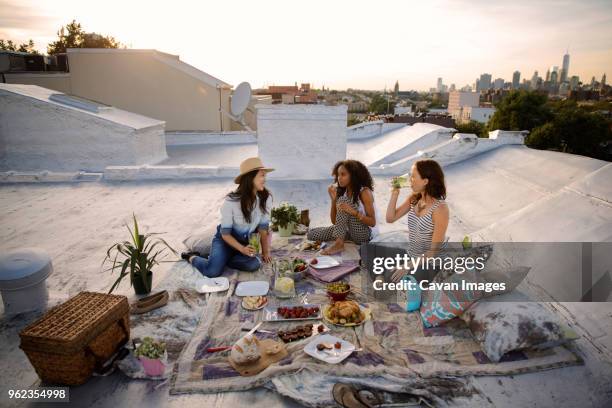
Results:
x,y
394,343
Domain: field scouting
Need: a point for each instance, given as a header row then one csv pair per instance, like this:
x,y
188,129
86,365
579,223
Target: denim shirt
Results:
x,y
233,222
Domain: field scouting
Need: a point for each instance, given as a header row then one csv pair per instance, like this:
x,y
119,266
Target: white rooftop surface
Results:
x,y
512,193
122,117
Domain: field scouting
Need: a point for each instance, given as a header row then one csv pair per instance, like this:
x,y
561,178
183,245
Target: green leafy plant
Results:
x,y
150,349
284,215
137,256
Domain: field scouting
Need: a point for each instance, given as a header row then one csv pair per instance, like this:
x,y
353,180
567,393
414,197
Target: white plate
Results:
x,y
329,356
252,288
209,285
257,308
324,262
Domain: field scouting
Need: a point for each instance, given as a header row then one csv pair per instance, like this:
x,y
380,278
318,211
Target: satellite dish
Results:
x,y
241,98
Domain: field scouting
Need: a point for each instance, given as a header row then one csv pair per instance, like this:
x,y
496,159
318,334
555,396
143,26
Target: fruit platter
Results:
x,y
292,313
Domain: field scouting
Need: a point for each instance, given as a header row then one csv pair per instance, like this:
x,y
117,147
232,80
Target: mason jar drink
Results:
x,y
254,242
400,182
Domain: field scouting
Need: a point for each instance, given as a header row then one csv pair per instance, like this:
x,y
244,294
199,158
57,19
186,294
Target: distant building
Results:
x,y
396,89
534,80
147,82
458,101
574,82
565,69
288,94
402,110
357,106
516,79
498,84
483,83
477,113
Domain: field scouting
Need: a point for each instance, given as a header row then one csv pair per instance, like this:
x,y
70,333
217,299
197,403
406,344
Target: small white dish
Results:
x,y
329,356
324,262
211,285
252,288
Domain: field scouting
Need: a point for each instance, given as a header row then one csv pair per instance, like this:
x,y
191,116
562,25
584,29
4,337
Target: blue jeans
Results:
x,y
221,254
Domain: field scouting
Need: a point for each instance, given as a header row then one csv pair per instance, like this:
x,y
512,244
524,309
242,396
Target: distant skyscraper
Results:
x,y
396,88
603,80
499,83
565,69
534,80
574,82
484,83
553,77
547,75
452,87
516,79
439,85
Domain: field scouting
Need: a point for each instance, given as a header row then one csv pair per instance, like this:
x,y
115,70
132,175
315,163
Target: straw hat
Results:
x,y
250,164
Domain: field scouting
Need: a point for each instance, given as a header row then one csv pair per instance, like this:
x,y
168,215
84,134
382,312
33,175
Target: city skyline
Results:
x,y
340,46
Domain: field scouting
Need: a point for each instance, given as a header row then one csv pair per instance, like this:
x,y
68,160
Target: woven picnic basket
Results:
x,y
76,337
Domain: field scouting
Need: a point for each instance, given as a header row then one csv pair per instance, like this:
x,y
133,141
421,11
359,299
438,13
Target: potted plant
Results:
x,y
136,257
285,218
153,357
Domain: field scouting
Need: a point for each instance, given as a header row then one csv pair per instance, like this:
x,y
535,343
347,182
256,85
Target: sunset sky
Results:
x,y
340,43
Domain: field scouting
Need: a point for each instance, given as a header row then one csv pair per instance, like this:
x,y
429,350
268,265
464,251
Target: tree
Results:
x,y
379,104
25,47
474,127
73,36
520,110
573,130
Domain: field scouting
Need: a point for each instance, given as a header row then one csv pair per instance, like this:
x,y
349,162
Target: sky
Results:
x,y
341,44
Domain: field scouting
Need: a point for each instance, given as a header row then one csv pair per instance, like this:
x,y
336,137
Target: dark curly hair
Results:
x,y
360,177
430,169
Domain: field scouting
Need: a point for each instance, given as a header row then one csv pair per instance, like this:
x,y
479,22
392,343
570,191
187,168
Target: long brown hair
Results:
x,y
360,177
430,169
244,193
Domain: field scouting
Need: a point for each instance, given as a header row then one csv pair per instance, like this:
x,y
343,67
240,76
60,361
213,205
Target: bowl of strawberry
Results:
x,y
298,312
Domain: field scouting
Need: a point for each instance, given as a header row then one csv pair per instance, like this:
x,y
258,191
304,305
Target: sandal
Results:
x,y
186,255
152,302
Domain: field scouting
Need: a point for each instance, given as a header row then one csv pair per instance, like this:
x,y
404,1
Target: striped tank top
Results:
x,y
420,230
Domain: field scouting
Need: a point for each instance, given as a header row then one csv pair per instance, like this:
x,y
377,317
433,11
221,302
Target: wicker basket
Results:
x,y
72,339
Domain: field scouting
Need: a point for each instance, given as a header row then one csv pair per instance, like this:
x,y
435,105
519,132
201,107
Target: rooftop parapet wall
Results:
x,y
302,142
367,130
37,133
461,147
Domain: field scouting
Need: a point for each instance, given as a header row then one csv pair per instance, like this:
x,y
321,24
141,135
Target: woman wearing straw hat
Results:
x,y
244,211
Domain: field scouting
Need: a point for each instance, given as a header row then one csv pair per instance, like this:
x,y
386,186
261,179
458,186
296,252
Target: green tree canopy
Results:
x,y
379,105
573,130
474,127
73,36
25,47
520,110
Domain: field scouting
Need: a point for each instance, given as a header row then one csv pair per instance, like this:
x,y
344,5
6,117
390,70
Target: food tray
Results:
x,y
271,314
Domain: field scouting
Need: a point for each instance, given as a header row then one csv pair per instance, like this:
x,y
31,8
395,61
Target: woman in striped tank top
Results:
x,y
428,214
